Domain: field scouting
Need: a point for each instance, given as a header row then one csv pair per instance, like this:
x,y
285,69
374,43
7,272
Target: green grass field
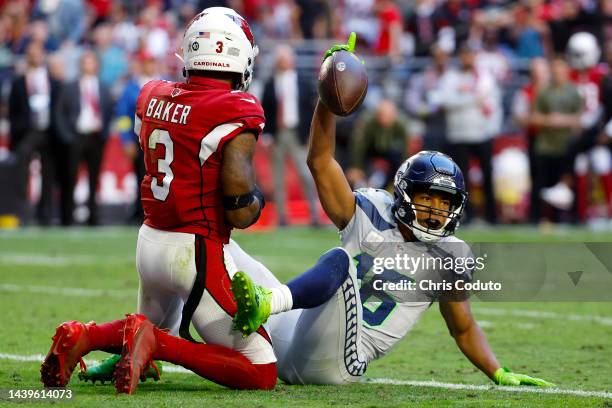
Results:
x,y
50,276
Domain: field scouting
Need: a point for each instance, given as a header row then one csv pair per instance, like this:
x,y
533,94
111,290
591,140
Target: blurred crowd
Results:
x,y
515,91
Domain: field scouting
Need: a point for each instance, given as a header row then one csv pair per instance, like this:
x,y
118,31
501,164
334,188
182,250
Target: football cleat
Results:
x,y
559,196
106,369
139,343
253,301
70,344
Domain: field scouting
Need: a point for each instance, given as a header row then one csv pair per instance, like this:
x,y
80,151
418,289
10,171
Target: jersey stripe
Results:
x,y
372,213
353,362
211,141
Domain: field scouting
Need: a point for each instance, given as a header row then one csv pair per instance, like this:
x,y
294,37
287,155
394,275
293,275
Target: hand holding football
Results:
x,y
343,83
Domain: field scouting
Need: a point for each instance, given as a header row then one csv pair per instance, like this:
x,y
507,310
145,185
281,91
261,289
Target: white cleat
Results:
x,y
559,196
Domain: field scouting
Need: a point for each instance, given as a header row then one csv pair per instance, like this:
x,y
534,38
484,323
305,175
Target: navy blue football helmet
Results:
x,y
429,170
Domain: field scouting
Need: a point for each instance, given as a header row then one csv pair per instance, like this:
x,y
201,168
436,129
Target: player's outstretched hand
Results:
x,y
503,376
349,46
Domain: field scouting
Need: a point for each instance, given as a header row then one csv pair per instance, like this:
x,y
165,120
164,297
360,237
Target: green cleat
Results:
x,y
102,372
253,302
105,371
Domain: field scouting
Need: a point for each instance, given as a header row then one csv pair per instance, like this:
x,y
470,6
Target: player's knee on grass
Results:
x,y
318,284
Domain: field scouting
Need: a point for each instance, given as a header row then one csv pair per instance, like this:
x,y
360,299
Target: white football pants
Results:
x,y
313,346
167,267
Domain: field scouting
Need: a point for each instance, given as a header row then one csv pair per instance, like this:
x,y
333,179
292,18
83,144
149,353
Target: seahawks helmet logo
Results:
x,y
444,181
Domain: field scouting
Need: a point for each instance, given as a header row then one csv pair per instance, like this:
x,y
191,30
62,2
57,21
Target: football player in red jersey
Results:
x,y
583,55
198,139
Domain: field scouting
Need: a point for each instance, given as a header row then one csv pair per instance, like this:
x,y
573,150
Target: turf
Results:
x,y
574,353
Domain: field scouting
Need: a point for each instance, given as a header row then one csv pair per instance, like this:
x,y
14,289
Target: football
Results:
x,y
343,83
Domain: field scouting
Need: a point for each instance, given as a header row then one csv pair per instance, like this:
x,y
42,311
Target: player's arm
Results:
x,y
242,200
474,345
334,191
468,335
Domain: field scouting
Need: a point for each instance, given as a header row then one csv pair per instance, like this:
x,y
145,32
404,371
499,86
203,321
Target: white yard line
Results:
x,y
76,233
75,292
33,259
454,386
429,384
538,314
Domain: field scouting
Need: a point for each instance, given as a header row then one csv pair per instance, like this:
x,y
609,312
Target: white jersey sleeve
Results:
x,y
373,220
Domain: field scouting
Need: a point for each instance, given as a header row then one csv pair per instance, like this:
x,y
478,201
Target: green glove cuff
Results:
x,y
499,373
349,46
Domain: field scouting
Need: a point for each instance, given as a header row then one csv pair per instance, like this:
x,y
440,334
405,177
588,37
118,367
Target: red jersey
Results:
x,y
588,83
387,17
182,129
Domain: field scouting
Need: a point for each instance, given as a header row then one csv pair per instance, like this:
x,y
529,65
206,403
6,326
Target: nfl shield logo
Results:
x,y
175,92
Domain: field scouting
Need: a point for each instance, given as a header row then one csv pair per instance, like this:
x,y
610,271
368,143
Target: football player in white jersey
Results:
x,y
339,315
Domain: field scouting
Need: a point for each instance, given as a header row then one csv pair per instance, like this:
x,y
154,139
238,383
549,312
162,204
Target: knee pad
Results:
x,y
339,263
318,284
600,159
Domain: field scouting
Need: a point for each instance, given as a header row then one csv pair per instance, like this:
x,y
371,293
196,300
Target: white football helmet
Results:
x,y
219,39
583,51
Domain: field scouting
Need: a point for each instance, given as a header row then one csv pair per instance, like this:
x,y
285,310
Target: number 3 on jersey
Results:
x,y
161,191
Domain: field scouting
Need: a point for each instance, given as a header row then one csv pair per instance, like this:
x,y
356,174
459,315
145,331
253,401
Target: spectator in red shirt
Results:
x,y
390,30
101,9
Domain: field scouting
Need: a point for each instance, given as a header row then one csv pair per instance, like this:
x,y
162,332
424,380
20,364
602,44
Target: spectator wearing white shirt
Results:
x,y
472,102
492,58
423,99
153,31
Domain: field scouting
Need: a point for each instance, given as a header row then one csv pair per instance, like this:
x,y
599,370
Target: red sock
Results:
x,y
106,336
582,196
215,363
606,181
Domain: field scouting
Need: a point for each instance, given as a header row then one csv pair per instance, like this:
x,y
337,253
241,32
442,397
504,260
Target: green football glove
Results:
x,y
503,376
349,46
